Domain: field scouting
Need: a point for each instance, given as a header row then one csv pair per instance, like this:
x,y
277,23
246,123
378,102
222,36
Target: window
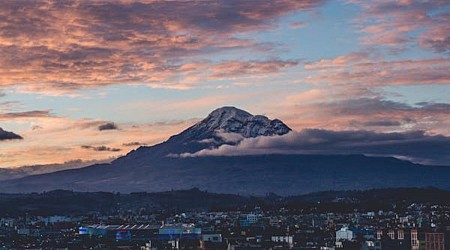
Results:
x,y
400,235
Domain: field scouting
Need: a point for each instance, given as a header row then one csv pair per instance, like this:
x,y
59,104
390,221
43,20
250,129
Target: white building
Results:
x,y
344,234
284,239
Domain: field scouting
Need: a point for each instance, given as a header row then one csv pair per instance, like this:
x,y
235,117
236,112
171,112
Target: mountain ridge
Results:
x,y
149,169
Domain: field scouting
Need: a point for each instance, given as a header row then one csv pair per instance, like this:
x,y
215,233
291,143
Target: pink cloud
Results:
x,y
54,47
364,71
402,23
340,112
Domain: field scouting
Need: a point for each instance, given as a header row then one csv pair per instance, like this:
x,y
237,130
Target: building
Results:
x,y
289,240
393,239
344,234
434,241
173,231
121,232
249,220
414,240
212,237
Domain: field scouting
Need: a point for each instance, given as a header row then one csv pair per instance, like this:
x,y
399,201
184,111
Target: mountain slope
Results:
x,y
151,169
282,174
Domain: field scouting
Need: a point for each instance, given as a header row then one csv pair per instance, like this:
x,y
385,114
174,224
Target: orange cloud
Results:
x,y
67,138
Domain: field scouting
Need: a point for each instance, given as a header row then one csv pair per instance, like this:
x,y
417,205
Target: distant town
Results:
x,y
374,219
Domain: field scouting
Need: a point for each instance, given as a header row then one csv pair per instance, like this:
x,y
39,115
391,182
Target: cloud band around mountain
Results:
x,y
416,146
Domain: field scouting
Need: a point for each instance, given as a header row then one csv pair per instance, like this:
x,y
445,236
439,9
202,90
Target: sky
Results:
x,y
92,80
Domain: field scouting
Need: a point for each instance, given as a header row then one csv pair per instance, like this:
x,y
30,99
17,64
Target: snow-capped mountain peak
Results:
x,y
234,120
226,125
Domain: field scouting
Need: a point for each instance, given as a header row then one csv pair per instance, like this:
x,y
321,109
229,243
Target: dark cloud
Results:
x,y
337,110
373,105
382,123
214,16
413,145
26,114
6,135
381,112
364,106
101,148
129,144
435,107
36,127
108,126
